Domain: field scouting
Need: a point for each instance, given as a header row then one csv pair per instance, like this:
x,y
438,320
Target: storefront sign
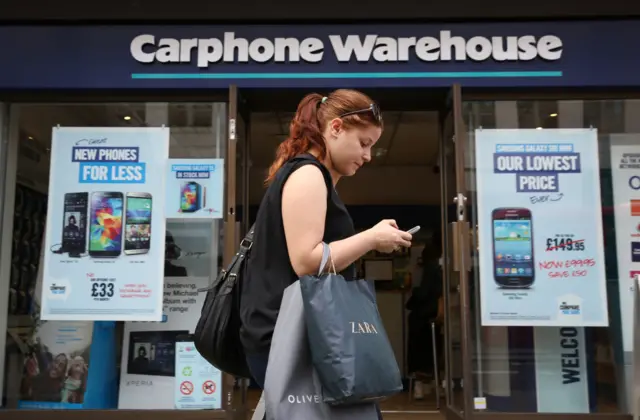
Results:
x,y
195,188
361,48
149,368
320,56
625,172
540,228
104,239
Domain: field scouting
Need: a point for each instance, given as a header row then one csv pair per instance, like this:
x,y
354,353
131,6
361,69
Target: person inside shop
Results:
x,y
425,307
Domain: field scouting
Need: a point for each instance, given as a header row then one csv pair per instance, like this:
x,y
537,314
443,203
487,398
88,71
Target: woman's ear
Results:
x,y
336,126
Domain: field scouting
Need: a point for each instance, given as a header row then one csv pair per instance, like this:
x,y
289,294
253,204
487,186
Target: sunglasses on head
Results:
x,y
374,109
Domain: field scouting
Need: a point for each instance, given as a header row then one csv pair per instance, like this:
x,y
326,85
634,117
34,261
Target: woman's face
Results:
x,y
350,147
58,367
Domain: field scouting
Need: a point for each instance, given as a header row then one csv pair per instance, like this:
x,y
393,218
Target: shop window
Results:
x,y
108,365
515,369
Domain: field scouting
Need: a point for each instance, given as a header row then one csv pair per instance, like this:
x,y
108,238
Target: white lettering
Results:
x,y
445,46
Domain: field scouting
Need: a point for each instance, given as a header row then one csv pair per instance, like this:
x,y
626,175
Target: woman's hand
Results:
x,y
387,237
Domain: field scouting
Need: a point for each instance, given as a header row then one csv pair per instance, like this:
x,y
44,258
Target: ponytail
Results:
x,y
305,132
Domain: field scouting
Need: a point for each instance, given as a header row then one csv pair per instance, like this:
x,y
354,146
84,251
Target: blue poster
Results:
x,y
198,385
105,233
195,188
71,365
540,228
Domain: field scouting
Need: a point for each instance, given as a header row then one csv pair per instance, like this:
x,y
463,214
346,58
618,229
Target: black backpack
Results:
x,y
217,335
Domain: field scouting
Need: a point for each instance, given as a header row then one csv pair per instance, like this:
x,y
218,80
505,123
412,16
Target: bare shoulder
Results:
x,y
306,177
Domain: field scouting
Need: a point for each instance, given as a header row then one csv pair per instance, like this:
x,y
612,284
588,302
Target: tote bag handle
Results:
x,y
326,257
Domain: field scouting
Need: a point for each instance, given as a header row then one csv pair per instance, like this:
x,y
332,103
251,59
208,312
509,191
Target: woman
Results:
x,y
330,137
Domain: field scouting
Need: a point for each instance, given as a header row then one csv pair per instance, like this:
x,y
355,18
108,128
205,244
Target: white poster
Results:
x,y
625,172
104,239
195,188
540,228
148,367
198,385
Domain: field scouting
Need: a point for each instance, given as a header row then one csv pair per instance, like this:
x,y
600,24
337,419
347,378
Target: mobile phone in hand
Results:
x,y
413,230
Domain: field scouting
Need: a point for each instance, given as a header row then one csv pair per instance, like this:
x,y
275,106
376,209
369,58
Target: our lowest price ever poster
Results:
x,y
105,233
540,228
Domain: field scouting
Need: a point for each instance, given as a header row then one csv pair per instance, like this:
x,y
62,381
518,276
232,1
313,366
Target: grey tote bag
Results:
x,y
292,390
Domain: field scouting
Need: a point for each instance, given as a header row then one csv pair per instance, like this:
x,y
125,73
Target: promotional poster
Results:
x,y
70,366
198,385
148,367
540,228
195,188
625,172
104,240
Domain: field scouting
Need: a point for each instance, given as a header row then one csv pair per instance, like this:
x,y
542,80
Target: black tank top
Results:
x,y
269,270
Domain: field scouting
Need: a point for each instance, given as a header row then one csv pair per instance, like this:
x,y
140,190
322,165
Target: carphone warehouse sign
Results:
x,y
382,49
530,54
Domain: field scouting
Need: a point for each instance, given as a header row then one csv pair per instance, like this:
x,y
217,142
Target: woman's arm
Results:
x,y
304,209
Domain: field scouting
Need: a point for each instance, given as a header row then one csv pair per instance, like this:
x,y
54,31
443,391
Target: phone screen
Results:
x,y
74,231
106,223
189,197
513,246
138,224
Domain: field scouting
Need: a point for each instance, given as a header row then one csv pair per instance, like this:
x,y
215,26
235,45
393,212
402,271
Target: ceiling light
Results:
x,y
30,138
127,118
538,128
553,115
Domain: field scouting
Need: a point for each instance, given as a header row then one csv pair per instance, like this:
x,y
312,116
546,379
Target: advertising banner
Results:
x,y
104,237
198,385
148,368
70,366
540,228
625,173
195,188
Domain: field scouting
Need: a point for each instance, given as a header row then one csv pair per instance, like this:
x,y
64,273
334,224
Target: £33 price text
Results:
x,y
102,291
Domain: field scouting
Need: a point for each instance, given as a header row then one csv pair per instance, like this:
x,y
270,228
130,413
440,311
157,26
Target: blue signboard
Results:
x,y
417,55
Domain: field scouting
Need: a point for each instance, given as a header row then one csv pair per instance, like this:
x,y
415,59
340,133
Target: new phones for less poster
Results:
x,y
105,233
195,188
540,228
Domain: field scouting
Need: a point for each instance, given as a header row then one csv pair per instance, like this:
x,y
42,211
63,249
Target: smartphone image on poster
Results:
x,y
513,259
74,222
190,197
105,237
137,229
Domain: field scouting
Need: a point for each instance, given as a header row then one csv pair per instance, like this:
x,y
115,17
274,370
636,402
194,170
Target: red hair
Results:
x,y
306,130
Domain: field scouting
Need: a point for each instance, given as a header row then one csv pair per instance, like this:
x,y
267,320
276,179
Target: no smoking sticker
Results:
x,y
186,387
209,387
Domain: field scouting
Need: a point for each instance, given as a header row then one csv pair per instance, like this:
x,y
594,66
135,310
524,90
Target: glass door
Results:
x,y
456,239
235,224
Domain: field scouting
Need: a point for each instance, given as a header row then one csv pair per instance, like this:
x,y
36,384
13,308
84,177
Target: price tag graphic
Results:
x,y
565,244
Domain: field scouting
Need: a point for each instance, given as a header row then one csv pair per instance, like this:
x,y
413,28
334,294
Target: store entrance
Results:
x,y
409,178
